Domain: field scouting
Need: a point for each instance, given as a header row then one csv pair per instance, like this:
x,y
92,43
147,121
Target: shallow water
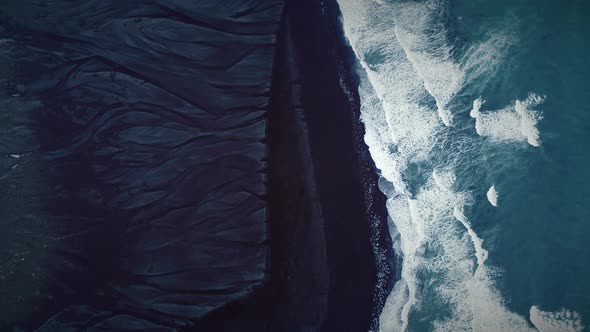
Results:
x,y
475,117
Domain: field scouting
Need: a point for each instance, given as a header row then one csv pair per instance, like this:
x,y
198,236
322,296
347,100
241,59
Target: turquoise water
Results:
x,y
476,117
543,224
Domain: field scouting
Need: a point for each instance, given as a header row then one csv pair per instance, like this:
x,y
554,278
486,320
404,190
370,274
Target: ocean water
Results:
x,y
476,116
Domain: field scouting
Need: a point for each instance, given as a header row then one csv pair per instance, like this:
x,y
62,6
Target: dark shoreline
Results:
x,y
163,171
337,136
375,201
332,265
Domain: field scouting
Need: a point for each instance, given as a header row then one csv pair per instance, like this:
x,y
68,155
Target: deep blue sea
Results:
x,y
476,116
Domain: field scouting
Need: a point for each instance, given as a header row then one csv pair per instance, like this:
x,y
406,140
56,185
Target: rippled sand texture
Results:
x,y
138,194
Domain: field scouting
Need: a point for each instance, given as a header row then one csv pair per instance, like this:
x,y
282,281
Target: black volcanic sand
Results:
x,y
353,207
312,112
152,168
132,160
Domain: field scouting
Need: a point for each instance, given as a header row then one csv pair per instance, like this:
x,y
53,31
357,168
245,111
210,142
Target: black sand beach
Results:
x,y
324,273
166,182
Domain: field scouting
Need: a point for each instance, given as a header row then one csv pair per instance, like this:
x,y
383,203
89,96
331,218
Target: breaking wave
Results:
x,y
517,122
410,76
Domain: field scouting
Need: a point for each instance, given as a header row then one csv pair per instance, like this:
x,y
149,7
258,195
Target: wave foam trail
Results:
x,y
408,80
561,321
480,252
482,59
430,56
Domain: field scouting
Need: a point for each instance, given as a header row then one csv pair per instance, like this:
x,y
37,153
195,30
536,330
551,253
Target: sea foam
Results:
x,y
480,252
492,196
516,122
442,77
560,321
408,80
476,107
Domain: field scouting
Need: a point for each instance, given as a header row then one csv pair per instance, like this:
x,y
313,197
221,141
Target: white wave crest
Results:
x,y
476,107
492,196
406,63
517,122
